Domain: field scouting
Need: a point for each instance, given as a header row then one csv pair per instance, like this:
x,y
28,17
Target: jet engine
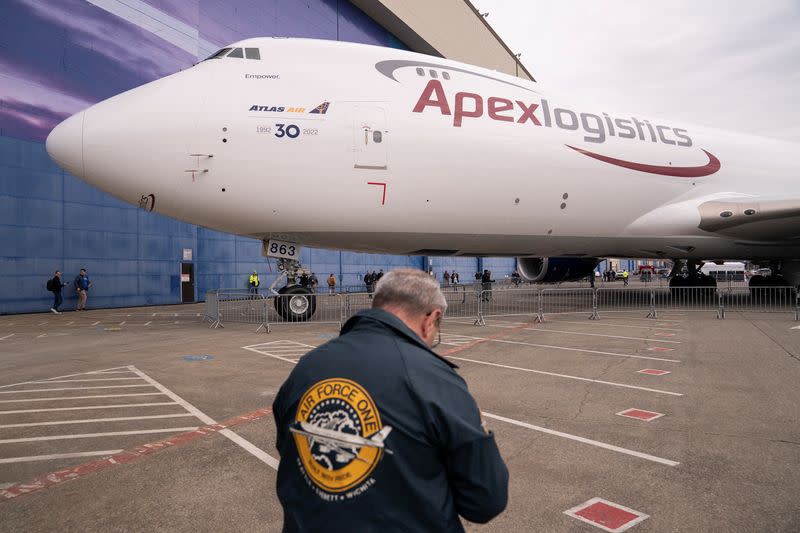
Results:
x,y
556,269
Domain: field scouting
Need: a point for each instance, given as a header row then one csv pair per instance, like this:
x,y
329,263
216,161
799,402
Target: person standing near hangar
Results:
x,y
375,430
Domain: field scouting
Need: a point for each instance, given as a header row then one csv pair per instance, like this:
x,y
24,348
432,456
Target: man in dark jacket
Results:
x,y
377,432
55,285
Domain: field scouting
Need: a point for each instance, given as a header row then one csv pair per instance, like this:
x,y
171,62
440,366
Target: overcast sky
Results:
x,y
721,63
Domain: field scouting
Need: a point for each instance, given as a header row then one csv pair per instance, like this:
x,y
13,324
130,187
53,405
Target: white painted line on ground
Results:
x,y
148,323
65,376
123,323
582,350
584,440
95,323
82,397
43,335
86,407
79,380
244,443
94,420
599,335
6,485
70,323
7,337
42,323
56,456
98,435
566,376
72,388
600,323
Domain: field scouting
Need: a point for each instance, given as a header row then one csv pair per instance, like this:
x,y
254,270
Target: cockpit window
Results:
x,y
252,53
218,54
237,52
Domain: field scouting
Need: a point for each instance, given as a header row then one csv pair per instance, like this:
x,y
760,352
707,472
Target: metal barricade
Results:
x,y
687,299
303,308
507,302
241,305
211,311
561,301
462,301
760,300
617,300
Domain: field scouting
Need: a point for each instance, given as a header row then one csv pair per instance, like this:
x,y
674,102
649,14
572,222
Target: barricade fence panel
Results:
x,y
507,302
211,309
687,299
761,300
617,300
241,306
555,301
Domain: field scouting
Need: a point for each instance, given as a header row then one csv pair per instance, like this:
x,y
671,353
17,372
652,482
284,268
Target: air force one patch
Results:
x,y
339,438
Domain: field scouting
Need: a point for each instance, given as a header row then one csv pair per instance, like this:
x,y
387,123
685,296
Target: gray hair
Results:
x,y
414,291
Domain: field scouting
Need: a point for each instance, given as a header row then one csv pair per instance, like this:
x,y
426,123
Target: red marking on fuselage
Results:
x,y
709,168
382,184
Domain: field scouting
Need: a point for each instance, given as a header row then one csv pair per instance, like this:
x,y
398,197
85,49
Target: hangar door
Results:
x,y
369,137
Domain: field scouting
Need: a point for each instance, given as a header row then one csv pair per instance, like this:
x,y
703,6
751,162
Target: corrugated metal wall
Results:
x,y
60,56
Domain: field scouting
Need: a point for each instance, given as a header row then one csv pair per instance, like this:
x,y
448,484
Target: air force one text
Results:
x,y
365,148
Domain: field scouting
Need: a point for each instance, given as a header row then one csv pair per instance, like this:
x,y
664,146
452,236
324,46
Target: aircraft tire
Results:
x,y
295,304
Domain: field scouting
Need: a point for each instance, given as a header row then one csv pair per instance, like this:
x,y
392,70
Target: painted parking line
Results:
x,y
283,350
540,330
96,435
606,515
92,396
600,323
579,350
115,369
584,440
73,388
567,376
659,349
653,372
116,457
94,420
245,444
7,337
87,408
52,457
640,414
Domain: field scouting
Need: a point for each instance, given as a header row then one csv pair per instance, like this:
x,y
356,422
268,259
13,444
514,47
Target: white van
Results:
x,y
728,271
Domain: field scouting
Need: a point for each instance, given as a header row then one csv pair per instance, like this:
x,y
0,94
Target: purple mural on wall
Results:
x,y
60,56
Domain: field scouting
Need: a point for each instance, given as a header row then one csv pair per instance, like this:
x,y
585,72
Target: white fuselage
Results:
x,y
474,162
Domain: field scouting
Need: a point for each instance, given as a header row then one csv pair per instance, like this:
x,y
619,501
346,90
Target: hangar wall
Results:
x,y
60,56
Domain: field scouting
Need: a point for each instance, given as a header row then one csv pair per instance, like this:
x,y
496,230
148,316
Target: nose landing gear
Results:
x,y
294,303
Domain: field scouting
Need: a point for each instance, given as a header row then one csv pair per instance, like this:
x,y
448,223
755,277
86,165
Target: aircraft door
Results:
x,y
370,137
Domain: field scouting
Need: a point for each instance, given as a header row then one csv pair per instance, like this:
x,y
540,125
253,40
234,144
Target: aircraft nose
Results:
x,y
65,144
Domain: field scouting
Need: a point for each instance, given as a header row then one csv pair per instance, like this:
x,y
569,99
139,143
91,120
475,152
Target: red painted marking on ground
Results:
x,y
607,515
501,335
659,349
127,456
640,414
653,372
383,200
660,334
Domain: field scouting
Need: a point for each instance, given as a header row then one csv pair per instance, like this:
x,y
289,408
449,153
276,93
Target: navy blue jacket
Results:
x,y
442,464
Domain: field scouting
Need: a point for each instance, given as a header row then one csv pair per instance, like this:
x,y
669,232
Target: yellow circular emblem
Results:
x,y
335,420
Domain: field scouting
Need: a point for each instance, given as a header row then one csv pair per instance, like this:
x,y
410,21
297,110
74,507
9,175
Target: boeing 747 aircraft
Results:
x,y
339,145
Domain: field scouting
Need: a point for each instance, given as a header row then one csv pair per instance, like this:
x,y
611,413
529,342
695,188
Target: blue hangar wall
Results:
x,y
60,56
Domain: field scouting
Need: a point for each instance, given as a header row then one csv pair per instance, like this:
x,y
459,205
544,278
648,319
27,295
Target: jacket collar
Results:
x,y
394,323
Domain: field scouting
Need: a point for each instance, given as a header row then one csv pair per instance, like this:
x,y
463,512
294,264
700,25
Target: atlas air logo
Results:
x,y
596,129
